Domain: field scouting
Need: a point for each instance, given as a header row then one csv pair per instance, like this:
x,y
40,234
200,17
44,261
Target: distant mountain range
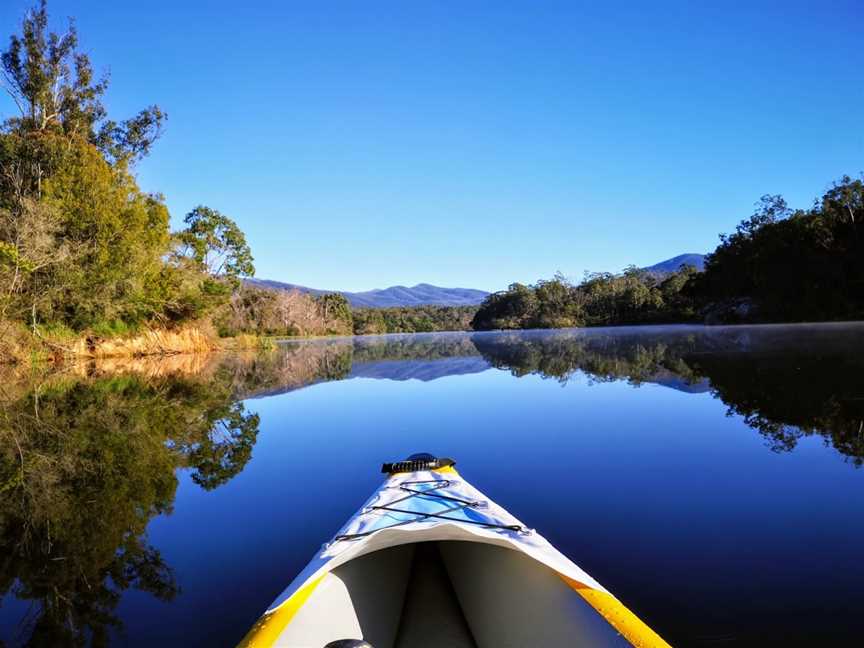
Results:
x,y
672,265
428,295
419,295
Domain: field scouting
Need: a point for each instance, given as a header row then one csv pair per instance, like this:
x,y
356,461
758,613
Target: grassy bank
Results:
x,y
22,346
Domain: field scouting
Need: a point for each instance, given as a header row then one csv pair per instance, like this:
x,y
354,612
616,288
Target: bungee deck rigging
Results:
x,y
431,493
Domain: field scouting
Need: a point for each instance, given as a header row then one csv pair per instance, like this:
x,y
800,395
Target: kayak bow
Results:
x,y
430,561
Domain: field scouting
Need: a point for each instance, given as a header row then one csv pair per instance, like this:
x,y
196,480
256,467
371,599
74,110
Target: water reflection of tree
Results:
x,y
786,383
790,395
413,347
560,355
84,465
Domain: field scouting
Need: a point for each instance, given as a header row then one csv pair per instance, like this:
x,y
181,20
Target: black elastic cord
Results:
x,y
463,504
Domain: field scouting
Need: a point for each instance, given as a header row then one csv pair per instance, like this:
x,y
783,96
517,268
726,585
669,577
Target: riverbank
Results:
x,y
22,346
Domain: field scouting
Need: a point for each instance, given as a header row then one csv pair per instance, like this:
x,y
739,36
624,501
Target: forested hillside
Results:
x,y
780,265
786,264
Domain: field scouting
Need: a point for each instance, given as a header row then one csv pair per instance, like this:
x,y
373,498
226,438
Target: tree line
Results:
x,y
601,299
412,319
779,265
270,312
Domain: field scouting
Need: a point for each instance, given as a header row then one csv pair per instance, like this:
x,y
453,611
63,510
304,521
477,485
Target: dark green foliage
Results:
x,y
778,265
793,265
215,245
54,89
511,309
414,319
336,312
81,246
83,243
633,297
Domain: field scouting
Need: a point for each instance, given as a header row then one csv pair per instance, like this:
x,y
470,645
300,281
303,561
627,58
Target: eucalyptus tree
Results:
x,y
79,242
215,245
54,87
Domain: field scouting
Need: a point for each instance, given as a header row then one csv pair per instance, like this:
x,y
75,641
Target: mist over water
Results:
x,y
709,477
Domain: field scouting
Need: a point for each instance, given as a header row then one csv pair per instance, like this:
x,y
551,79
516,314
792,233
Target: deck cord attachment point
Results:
x,y
421,461
451,504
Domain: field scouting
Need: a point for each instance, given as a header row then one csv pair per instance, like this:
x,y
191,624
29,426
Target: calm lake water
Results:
x,y
710,477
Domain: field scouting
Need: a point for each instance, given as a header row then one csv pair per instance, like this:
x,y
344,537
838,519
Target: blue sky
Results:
x,y
361,145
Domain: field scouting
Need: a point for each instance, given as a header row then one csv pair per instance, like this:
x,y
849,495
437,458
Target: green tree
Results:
x,y
122,234
602,299
216,245
558,304
80,244
513,308
54,89
336,312
369,321
87,247
790,265
845,200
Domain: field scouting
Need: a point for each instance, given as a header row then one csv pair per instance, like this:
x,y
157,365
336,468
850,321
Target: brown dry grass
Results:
x,y
15,342
148,343
18,346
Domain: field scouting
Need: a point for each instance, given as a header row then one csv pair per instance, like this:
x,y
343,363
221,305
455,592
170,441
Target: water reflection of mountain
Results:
x,y
423,370
421,357
666,378
415,357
